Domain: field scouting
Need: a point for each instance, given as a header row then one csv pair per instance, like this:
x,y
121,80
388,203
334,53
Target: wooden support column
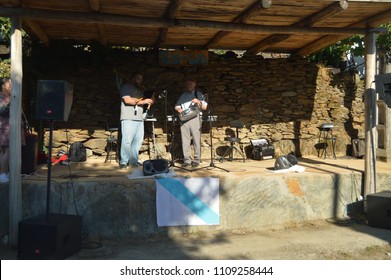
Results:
x,y
15,148
370,114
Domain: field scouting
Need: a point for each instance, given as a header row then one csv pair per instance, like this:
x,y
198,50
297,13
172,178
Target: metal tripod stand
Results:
x,y
172,163
211,119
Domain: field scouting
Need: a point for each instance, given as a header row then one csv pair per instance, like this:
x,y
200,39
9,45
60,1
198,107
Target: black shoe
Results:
x,y
195,164
122,166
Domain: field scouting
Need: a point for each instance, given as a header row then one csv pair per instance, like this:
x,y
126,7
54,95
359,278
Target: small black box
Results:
x,y
30,154
262,149
379,209
55,238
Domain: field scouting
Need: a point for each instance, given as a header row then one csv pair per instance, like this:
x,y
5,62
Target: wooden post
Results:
x,y
370,113
15,149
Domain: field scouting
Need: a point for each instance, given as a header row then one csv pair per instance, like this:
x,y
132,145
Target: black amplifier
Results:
x,y
262,149
379,209
55,238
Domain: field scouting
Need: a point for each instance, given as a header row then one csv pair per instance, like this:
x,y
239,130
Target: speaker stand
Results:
x,y
49,169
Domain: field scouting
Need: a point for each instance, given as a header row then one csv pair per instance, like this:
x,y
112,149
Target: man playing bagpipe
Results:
x,y
134,97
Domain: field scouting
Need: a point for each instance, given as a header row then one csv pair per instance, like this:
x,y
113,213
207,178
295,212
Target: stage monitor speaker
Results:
x,y
156,166
55,238
383,87
54,100
379,209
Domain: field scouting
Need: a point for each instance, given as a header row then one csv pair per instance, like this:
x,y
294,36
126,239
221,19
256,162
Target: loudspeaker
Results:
x,y
155,166
54,100
379,209
55,238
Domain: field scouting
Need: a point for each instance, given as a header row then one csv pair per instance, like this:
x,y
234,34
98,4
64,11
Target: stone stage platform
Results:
x,y
251,196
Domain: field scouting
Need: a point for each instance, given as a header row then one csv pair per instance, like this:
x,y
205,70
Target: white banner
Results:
x,y
182,201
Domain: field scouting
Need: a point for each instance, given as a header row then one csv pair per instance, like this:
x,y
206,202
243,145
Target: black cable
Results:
x,y
372,144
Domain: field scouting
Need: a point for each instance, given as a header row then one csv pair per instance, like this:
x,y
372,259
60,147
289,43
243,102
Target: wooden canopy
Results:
x,y
299,27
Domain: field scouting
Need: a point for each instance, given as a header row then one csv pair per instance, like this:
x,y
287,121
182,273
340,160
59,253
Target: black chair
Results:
x,y
326,138
233,140
112,144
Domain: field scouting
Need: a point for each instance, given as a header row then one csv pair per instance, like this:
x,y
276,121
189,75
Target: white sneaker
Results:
x,y
4,178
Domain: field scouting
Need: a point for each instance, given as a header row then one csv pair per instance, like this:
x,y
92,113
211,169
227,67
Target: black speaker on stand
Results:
x,y
51,236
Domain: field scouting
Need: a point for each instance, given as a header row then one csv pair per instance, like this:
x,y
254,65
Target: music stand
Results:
x,y
211,119
155,151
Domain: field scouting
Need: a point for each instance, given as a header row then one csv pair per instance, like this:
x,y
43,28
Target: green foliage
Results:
x,y
384,40
333,55
5,68
5,29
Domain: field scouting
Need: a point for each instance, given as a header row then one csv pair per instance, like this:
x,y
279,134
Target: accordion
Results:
x,y
262,149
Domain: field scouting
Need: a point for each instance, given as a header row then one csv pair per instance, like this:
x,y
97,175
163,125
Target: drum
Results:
x,y
189,113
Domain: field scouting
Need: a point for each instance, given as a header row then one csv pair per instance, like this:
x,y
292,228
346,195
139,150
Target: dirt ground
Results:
x,y
324,240
318,240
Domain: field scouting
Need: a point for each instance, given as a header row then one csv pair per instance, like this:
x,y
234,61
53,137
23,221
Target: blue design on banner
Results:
x,y
191,201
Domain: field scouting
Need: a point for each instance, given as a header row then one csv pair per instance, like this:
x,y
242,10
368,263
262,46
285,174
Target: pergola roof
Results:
x,y
291,26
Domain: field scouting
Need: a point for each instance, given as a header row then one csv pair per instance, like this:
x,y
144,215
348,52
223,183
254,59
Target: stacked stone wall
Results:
x,y
282,100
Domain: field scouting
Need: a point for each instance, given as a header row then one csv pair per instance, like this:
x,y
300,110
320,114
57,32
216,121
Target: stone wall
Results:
x,y
282,100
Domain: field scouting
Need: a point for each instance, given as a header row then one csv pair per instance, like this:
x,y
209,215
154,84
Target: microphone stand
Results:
x,y
164,95
172,163
211,164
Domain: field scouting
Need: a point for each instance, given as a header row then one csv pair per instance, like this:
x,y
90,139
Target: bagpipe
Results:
x,y
147,94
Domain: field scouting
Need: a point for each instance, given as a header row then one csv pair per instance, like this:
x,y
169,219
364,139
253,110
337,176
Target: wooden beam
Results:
x,y
378,19
266,43
263,29
266,4
122,20
253,11
16,3
95,5
324,14
320,44
310,21
172,12
329,40
249,13
38,31
162,37
175,8
219,35
102,33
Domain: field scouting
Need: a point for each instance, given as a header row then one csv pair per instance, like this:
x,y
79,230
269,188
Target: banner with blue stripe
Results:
x,y
187,201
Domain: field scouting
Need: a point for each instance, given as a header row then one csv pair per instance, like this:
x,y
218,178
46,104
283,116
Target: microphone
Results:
x,y
163,94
